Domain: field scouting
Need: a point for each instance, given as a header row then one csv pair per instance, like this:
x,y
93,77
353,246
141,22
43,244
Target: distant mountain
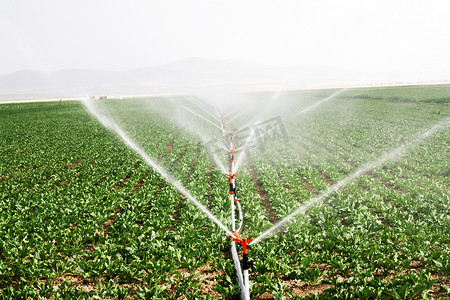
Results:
x,y
72,82
180,76
23,79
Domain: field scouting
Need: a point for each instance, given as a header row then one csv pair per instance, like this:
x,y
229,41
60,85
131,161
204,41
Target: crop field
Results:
x,y
83,215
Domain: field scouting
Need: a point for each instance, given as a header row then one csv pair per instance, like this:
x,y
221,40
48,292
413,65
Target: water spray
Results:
x,y
243,148
200,116
201,107
212,152
108,123
222,126
390,156
321,101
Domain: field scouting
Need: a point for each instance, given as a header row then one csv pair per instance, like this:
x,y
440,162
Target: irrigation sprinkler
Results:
x,y
222,126
231,137
232,157
242,273
242,268
232,177
246,264
236,231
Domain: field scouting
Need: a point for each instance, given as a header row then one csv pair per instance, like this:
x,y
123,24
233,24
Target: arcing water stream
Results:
x,y
311,107
201,117
198,104
108,123
390,156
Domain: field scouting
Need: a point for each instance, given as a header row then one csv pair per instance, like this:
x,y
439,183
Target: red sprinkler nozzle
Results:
x,y
231,135
232,177
232,154
244,243
246,264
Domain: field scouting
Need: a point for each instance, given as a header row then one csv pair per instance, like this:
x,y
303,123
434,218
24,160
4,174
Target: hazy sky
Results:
x,y
120,35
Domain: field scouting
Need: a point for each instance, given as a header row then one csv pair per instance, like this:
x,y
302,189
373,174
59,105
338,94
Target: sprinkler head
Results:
x,y
232,177
244,243
246,264
231,136
232,154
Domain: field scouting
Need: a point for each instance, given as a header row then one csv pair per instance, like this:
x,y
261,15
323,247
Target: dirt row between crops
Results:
x,y
270,210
